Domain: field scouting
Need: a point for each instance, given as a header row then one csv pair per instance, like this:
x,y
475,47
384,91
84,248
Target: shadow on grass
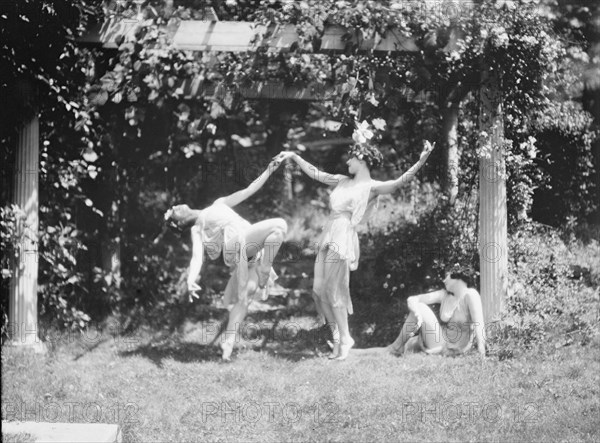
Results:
x,y
305,344
89,348
289,333
179,351
280,327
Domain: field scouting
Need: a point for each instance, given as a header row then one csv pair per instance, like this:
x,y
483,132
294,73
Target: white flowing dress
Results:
x,y
224,231
339,249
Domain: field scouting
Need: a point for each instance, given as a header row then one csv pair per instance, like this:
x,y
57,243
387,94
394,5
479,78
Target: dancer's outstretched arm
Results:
x,y
389,186
237,197
311,170
196,262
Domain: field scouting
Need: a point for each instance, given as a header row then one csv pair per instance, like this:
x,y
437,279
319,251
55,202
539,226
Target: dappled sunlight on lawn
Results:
x,y
171,390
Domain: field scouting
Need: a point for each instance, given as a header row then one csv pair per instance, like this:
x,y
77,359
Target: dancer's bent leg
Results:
x,y
429,330
267,235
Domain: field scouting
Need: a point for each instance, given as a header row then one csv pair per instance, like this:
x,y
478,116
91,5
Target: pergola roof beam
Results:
x,y
231,36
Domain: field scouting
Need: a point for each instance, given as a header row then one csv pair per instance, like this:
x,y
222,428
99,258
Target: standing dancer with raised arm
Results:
x,y
248,249
351,202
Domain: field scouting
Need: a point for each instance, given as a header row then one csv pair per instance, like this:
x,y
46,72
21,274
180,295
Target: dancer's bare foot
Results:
x,y
345,350
335,349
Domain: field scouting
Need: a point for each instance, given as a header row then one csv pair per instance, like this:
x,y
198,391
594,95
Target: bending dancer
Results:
x,y
461,321
351,202
248,249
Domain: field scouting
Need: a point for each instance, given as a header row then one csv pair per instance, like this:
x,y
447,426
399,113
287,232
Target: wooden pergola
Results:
x,y
227,36
242,37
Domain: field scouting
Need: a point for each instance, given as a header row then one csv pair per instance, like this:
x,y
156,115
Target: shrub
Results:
x,y
566,138
552,296
411,253
63,287
9,242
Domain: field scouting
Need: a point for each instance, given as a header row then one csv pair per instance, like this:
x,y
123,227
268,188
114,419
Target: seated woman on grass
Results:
x,y
460,324
219,229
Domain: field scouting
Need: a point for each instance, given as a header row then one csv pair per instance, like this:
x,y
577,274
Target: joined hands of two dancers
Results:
x,y
285,155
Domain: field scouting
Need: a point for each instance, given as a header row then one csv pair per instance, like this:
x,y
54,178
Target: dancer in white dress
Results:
x,y
351,202
248,249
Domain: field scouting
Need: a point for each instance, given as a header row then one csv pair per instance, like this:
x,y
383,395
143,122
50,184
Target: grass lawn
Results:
x,y
172,386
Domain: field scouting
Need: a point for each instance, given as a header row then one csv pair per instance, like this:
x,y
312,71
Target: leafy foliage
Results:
x,y
412,255
39,56
566,136
9,242
66,291
551,295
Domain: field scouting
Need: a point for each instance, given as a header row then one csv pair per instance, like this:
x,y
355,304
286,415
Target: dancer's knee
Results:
x,y
280,227
426,313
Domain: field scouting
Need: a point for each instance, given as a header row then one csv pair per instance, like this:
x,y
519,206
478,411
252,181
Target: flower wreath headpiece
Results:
x,y
363,149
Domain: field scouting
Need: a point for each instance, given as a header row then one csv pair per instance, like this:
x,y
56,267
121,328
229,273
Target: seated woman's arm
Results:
x,y
241,195
429,298
311,170
196,262
389,186
476,311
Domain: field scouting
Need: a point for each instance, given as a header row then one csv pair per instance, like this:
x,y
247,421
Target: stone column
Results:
x,y
23,315
493,245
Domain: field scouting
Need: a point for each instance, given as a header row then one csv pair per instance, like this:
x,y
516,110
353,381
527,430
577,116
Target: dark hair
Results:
x,y
174,226
178,222
366,152
458,272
